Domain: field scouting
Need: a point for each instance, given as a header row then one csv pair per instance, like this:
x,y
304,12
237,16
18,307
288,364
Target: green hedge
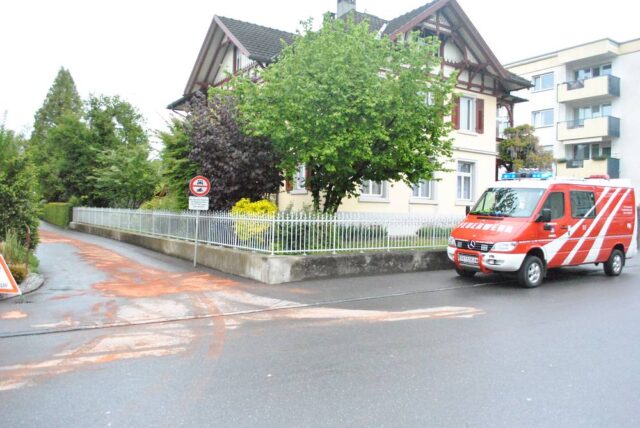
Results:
x,y
58,213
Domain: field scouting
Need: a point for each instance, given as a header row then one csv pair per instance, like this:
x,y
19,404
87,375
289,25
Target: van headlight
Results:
x,y
452,242
504,246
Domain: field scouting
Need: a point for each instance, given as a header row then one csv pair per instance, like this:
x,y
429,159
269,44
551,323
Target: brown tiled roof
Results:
x,y
263,43
396,23
375,23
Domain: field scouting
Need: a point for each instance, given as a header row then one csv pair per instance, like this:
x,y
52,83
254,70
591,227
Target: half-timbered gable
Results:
x,y
483,102
230,47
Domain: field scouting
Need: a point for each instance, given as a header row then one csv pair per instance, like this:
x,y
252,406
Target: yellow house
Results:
x,y
484,86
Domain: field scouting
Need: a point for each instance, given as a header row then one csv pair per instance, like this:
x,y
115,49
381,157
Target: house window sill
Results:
x,y
423,201
374,199
298,192
464,203
466,132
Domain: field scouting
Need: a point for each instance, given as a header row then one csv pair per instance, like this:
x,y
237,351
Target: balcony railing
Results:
x,y
606,86
595,127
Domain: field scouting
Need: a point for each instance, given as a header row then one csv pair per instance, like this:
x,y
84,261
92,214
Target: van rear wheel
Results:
x,y
613,266
465,273
531,272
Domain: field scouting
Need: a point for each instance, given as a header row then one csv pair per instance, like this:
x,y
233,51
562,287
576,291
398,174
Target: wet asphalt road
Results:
x,y
125,337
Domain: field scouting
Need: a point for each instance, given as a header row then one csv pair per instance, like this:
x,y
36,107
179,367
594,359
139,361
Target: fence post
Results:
x,y
273,234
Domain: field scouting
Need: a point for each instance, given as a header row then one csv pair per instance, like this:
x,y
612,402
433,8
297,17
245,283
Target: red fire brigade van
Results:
x,y
526,226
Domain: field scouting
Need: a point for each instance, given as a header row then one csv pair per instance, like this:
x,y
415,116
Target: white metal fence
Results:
x,y
283,233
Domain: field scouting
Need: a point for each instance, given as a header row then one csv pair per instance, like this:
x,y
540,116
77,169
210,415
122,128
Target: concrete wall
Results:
x,y
282,269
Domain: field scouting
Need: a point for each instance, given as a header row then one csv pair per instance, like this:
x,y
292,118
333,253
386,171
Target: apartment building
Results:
x,y
583,103
484,86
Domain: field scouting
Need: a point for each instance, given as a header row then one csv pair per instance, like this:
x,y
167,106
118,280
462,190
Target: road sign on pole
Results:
x,y
199,186
8,284
199,203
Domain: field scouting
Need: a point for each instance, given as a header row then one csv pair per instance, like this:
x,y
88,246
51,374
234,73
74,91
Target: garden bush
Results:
x,y
58,213
252,229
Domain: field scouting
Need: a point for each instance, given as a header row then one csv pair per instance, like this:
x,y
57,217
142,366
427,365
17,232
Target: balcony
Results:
x,y
595,88
572,168
594,129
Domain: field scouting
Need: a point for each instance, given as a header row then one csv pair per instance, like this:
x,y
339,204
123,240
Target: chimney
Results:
x,y
345,6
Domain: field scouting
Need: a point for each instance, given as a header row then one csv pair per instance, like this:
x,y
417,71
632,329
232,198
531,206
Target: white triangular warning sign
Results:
x,y
8,285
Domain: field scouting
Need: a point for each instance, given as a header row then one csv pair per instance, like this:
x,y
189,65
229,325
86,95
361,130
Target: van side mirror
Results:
x,y
467,210
544,216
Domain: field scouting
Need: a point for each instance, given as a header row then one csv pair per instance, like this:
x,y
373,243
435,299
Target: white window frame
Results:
x,y
422,190
366,190
299,181
460,178
419,188
471,103
540,114
538,78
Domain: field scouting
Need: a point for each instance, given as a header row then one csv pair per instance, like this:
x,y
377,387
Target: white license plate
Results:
x,y
468,260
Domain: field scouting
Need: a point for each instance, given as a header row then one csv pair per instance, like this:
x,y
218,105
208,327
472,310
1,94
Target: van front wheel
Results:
x,y
531,272
465,273
613,266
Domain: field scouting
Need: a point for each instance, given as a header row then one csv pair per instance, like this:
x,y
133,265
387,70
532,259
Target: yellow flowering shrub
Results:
x,y
247,229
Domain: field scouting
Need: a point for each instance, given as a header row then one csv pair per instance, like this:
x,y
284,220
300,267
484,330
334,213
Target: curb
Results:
x,y
33,282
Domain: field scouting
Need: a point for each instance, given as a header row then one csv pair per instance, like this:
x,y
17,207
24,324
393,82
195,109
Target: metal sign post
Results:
x,y
195,244
200,187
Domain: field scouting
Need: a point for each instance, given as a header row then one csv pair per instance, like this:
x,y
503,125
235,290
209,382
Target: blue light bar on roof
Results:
x,y
539,175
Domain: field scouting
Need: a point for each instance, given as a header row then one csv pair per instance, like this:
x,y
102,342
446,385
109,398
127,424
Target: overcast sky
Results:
x,y
144,50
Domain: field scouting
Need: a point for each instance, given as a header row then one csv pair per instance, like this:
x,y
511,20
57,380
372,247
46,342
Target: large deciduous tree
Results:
x,y
239,166
120,174
19,207
520,149
352,106
177,169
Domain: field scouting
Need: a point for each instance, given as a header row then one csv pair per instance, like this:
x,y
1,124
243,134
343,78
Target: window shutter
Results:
x,y
479,116
455,114
288,185
306,178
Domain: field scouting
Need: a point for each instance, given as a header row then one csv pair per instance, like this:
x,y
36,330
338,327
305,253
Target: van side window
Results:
x,y
583,204
555,202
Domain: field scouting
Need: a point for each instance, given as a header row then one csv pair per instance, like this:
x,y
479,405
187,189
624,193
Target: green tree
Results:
x,y
61,101
113,122
71,137
351,106
125,177
18,194
115,133
177,169
520,149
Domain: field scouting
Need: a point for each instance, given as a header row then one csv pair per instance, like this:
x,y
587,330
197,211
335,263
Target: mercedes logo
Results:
x,y
472,244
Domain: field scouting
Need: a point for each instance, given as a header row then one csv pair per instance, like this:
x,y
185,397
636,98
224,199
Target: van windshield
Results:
x,y
506,202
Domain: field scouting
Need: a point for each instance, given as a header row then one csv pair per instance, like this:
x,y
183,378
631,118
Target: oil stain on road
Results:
x,y
157,305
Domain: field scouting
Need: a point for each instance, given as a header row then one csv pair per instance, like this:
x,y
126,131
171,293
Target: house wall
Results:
x,y
627,108
226,66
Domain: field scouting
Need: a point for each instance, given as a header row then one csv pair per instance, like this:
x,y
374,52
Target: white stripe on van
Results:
x,y
597,245
587,234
